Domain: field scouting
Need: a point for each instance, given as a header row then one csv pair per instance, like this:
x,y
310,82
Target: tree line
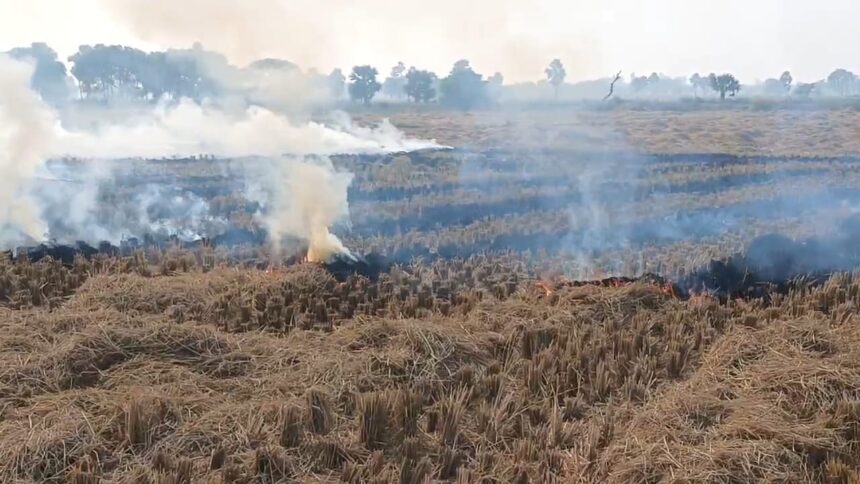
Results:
x,y
462,88
109,72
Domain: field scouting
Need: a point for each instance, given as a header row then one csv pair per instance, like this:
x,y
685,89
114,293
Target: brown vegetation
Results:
x,y
228,365
673,129
158,379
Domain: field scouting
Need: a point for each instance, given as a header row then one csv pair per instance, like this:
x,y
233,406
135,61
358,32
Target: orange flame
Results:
x,y
669,289
545,286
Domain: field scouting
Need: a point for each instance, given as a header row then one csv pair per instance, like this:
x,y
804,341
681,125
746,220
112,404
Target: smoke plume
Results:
x,y
312,198
304,195
188,129
26,136
328,34
244,31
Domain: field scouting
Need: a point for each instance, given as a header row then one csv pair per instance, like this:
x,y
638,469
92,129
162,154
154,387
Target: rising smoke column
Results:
x,y
305,195
302,193
312,198
26,137
185,128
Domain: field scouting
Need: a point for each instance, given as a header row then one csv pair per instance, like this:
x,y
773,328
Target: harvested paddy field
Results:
x,y
475,356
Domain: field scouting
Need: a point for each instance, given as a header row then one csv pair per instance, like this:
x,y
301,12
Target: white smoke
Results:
x,y
68,198
305,195
26,138
164,211
188,129
309,197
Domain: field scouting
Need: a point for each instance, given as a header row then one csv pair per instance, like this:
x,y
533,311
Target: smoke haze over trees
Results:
x,y
55,172
843,82
395,84
363,84
724,84
420,85
463,88
50,79
110,74
555,74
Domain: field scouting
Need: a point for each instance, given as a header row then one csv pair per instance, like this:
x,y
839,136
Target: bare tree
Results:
x,y
612,86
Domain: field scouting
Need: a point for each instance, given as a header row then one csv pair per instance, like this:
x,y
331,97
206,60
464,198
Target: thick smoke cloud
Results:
x,y
307,197
70,202
329,34
244,31
26,138
304,194
189,129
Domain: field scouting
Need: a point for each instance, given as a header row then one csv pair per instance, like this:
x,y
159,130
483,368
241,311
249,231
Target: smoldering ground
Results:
x,y
587,202
599,200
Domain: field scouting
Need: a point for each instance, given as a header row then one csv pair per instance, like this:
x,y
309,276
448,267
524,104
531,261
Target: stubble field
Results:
x,y
472,360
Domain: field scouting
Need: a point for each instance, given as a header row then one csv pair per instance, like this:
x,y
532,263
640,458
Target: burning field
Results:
x,y
416,313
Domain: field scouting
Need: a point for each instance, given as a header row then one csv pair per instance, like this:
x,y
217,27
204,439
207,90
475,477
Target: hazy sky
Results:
x,y
754,39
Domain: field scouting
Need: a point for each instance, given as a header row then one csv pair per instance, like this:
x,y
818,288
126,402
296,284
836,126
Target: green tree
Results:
x,y
272,64
394,85
198,73
363,84
90,69
638,83
555,74
842,81
805,90
786,79
780,86
724,84
420,85
49,79
700,83
463,88
336,84
107,72
696,81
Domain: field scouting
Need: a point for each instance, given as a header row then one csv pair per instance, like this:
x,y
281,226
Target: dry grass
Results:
x,y
593,384
169,366
519,178
825,132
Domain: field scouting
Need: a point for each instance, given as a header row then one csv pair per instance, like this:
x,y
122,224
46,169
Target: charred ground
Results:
x,y
481,360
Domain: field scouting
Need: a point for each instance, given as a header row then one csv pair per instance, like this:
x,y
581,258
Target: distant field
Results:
x,y
606,182
825,132
474,360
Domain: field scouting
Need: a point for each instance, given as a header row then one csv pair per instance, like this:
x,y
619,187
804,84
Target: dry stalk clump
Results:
x,y
408,406
292,426
451,412
145,420
272,465
320,414
374,426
